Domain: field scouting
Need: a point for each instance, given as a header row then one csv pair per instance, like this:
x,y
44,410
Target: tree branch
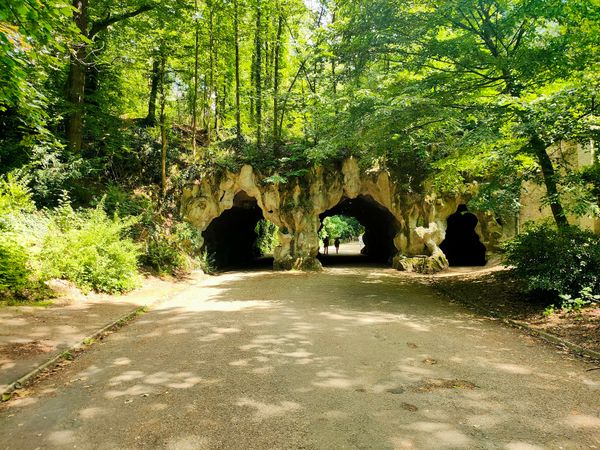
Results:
x,y
97,27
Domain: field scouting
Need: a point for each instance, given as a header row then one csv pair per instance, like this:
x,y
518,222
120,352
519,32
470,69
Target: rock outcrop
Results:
x,y
415,221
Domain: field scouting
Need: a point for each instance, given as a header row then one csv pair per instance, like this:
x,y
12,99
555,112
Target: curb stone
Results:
x,y
548,337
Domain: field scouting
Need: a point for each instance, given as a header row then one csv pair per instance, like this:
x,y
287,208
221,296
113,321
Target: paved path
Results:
x,y
348,358
31,335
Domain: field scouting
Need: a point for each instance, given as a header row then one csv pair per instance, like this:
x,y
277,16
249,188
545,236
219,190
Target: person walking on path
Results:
x,y
326,245
337,245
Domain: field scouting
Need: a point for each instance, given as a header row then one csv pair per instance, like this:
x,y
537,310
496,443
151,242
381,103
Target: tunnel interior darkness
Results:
x,y
380,228
231,237
462,246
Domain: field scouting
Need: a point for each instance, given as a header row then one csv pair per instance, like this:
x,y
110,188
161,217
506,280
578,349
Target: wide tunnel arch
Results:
x,y
230,238
381,227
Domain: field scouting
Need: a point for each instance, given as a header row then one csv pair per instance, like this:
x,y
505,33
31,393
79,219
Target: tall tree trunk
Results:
x,y
155,78
205,106
216,103
211,79
276,143
257,75
549,176
75,91
195,93
238,121
333,74
163,128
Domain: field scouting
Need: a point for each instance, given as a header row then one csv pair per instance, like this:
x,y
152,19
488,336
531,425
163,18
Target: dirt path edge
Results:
x,y
548,337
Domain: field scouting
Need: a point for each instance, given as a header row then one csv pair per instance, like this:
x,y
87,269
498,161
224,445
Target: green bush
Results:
x,y
171,248
123,203
207,262
561,262
88,248
162,255
267,237
15,205
15,196
14,271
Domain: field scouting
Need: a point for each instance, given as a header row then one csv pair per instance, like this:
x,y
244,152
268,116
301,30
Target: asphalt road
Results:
x,y
348,358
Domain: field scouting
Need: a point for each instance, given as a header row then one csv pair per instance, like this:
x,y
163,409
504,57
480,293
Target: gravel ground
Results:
x,y
347,358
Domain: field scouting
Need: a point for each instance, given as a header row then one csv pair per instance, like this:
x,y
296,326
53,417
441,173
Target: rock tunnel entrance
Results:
x,y
462,245
380,229
230,239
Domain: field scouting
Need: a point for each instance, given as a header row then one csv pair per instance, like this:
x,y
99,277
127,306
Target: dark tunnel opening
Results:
x,y
230,239
462,246
380,229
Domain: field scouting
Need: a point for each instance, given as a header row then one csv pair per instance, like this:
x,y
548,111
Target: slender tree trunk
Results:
x,y
75,91
211,78
195,93
304,115
257,75
155,78
238,121
549,176
333,74
205,107
216,94
276,143
163,128
283,106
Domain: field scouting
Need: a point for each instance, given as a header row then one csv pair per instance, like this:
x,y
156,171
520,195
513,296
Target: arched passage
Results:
x,y
462,245
231,238
380,227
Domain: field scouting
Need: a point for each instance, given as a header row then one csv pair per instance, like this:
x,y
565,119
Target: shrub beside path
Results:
x,y
32,335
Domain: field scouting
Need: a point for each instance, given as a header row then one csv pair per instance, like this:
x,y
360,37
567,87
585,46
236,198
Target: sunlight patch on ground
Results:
x,y
513,368
62,438
583,421
196,305
93,412
522,446
268,410
188,443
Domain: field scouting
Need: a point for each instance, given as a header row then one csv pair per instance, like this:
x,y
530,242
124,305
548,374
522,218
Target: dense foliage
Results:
x,y
556,261
129,100
267,239
343,227
462,91
90,249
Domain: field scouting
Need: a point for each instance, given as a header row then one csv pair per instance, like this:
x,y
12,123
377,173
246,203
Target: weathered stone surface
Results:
x,y
420,219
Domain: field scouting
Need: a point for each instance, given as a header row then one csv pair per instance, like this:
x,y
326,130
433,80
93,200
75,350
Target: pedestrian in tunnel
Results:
x,y
337,245
326,245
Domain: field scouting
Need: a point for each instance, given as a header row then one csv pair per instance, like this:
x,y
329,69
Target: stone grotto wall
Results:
x,y
295,208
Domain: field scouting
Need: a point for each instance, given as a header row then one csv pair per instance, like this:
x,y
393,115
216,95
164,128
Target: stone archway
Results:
x,y
462,245
230,238
381,227
417,219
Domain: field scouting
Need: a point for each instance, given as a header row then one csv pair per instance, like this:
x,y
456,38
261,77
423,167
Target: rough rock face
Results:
x,y
417,222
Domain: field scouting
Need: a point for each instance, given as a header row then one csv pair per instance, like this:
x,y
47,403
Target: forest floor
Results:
x,y
495,292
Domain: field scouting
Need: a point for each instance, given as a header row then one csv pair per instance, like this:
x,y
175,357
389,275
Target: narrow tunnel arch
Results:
x,y
380,225
462,245
230,239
